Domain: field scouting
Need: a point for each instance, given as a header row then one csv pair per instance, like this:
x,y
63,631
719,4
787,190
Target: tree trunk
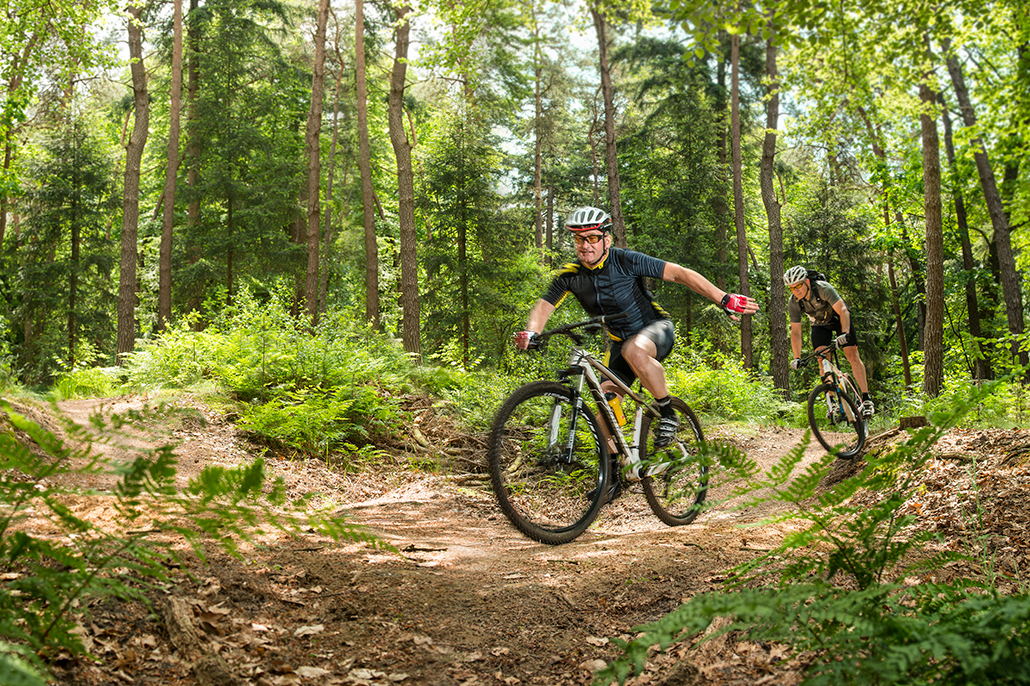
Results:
x,y
130,202
538,162
933,356
164,265
999,221
73,275
777,290
193,146
738,199
550,223
365,168
411,334
328,233
981,365
899,323
610,155
721,206
312,138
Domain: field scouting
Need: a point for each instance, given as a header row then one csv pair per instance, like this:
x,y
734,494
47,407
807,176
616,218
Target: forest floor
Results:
x,y
466,599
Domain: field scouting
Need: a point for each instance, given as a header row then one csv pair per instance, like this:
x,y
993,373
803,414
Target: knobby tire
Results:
x,y
676,494
548,493
837,435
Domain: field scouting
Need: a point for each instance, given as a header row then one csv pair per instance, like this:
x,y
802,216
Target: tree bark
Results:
x,y
999,221
130,202
721,206
365,169
610,154
411,333
312,138
981,369
738,199
538,163
933,354
777,290
193,144
164,265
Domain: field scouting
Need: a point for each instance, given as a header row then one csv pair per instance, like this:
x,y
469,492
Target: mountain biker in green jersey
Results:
x,y
608,280
830,319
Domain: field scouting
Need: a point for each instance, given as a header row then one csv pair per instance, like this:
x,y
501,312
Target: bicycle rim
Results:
x,y
677,492
550,477
832,428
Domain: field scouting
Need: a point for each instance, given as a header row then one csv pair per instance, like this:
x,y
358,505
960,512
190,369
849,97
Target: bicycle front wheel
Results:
x,y
549,466
836,421
679,479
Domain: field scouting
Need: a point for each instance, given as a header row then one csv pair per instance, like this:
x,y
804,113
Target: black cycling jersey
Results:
x,y
615,285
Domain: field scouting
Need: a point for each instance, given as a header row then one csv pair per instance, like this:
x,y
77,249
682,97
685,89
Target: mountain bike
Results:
x,y
549,459
835,407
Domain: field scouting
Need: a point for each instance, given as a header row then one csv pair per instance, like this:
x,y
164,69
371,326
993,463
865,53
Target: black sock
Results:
x,y
665,406
865,396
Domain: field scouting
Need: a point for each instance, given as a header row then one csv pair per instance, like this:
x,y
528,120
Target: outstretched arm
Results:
x,y
702,286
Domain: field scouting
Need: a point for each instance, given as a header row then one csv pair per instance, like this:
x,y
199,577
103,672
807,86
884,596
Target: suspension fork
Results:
x,y
576,387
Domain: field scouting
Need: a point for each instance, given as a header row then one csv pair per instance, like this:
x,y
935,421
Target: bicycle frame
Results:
x,y
587,367
831,373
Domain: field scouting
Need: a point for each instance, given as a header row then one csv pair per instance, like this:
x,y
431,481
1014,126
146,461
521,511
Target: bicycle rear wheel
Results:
x,y
676,492
832,427
549,467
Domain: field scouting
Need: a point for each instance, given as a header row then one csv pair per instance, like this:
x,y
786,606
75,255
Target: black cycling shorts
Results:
x,y
662,333
823,335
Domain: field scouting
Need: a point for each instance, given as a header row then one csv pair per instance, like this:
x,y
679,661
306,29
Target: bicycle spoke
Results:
x,y
678,482
547,464
836,421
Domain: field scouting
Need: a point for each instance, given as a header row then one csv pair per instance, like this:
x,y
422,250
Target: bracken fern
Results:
x,y
838,587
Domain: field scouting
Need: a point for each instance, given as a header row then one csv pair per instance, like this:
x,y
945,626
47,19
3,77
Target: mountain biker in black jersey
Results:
x,y
830,319
608,280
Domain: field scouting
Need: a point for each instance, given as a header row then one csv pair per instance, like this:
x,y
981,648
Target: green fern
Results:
x,y
45,576
880,631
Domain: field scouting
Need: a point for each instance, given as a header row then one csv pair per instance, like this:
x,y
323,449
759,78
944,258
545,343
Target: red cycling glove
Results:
x,y
733,302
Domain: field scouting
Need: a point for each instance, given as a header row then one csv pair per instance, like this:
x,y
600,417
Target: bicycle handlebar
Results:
x,y
819,353
569,330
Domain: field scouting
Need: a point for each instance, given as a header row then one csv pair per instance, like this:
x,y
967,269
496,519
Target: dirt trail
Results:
x,y
468,601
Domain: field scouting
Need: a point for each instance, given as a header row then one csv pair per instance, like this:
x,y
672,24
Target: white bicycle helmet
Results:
x,y
795,275
588,219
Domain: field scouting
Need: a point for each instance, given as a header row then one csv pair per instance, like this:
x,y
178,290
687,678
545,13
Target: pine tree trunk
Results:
x,y
777,290
164,265
610,154
738,199
981,367
130,202
312,142
933,352
411,333
365,168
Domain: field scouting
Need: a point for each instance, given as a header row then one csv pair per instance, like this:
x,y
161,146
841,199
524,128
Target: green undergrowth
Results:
x,y
851,583
46,580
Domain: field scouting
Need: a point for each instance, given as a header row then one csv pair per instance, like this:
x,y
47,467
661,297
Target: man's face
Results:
x,y
590,246
800,289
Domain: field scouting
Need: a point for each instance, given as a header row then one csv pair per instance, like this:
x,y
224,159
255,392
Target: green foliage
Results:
x,y
324,421
839,584
717,384
88,382
45,577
